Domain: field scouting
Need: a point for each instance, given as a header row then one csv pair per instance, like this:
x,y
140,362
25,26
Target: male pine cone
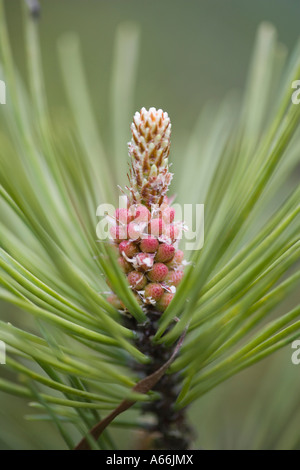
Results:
x,y
145,232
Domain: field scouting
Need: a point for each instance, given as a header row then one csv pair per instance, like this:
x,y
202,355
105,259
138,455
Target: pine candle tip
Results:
x,y
149,149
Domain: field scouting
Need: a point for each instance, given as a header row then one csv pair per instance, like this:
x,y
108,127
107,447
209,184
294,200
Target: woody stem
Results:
x,y
169,428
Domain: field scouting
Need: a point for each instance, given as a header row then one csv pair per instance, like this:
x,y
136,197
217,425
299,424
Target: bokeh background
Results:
x,y
191,53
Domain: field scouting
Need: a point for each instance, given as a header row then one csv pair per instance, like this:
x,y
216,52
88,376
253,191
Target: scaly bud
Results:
x,y
149,244
137,280
158,273
164,302
177,260
143,261
174,277
153,291
165,253
129,248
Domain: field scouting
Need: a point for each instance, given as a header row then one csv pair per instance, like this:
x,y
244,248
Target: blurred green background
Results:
x,y
191,53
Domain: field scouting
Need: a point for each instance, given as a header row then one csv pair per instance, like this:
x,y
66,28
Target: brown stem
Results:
x,y
170,429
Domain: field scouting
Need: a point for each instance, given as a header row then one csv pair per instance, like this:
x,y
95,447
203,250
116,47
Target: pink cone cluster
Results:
x,y
145,232
148,253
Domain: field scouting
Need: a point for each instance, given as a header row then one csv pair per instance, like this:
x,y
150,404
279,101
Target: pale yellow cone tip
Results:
x,y
149,150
